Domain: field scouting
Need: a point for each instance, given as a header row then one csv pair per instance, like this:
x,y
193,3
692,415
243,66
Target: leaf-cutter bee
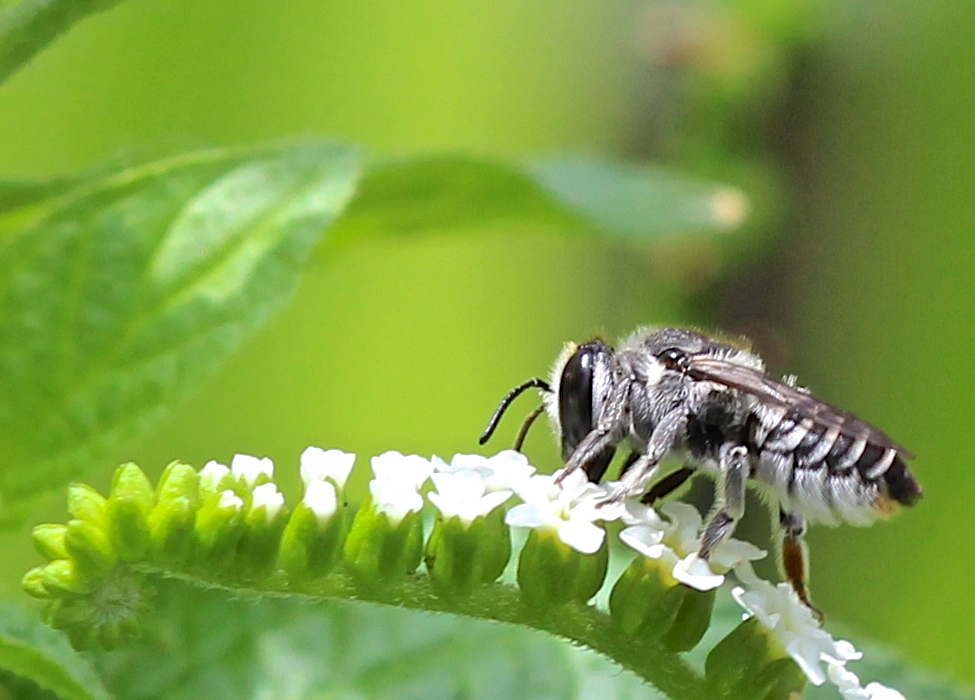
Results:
x,y
676,391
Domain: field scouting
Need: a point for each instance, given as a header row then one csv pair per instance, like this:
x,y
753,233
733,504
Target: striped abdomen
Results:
x,y
829,467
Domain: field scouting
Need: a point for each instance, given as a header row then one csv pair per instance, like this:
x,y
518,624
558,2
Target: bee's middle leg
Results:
x,y
731,498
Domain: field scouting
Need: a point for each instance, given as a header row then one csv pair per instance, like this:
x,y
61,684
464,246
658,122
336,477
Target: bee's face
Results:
x,y
582,379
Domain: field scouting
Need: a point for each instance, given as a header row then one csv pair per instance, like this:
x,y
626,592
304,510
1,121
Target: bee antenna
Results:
x,y
534,383
523,431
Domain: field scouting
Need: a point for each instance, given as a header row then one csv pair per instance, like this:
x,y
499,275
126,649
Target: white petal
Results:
x,y
806,655
320,496
846,682
843,651
490,501
212,474
506,469
682,515
461,485
582,536
395,498
536,489
268,496
641,538
248,468
637,513
404,468
528,515
732,552
696,573
318,464
229,499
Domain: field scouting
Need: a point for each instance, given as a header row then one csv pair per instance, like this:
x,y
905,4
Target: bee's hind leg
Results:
x,y
795,558
731,498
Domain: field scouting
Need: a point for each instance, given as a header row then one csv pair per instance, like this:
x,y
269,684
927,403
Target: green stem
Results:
x,y
30,25
581,624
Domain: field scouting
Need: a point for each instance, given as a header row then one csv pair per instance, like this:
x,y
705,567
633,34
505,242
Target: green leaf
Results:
x,y
119,293
29,25
204,644
637,202
447,192
40,661
120,290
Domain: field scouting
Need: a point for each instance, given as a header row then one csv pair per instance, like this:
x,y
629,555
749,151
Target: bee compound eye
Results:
x,y
672,358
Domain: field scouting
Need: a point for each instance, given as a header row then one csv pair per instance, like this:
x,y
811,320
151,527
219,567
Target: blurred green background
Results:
x,y
849,123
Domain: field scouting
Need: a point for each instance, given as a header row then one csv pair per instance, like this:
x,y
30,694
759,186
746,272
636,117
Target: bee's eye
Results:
x,y
672,358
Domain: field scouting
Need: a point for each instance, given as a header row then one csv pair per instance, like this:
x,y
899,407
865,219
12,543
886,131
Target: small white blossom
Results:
x,y
463,494
230,500
321,498
793,625
500,472
676,542
318,464
848,683
395,488
268,496
570,509
211,475
394,466
249,468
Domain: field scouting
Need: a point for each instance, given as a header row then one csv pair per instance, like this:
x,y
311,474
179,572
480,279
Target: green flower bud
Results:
x,y
378,550
171,520
62,614
218,528
747,663
648,601
85,503
88,545
313,537
48,540
63,578
551,573
82,637
263,524
109,636
128,509
33,583
460,558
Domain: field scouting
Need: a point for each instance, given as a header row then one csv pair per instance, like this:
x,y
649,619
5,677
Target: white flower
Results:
x,y
318,464
570,509
321,498
230,500
268,496
248,468
500,472
393,466
463,494
780,611
395,489
849,686
676,542
211,475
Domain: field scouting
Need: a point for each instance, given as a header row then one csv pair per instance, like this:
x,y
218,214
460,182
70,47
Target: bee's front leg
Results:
x,y
661,442
731,498
795,557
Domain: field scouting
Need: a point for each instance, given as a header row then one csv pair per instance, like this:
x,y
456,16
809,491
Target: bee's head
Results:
x,y
582,379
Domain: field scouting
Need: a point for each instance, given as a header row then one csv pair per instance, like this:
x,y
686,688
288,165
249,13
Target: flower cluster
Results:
x,y
231,521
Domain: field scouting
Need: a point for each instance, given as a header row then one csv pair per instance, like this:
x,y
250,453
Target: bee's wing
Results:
x,y
768,389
